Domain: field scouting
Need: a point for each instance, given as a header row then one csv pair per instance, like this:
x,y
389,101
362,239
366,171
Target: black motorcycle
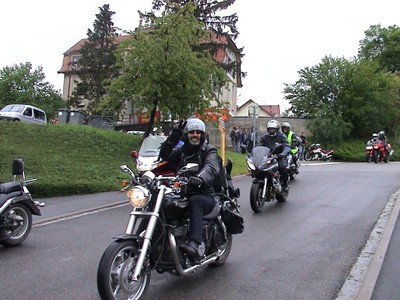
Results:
x,y
262,165
16,207
157,226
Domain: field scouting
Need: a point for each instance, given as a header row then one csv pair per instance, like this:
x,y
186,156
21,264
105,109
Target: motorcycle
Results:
x,y
158,225
17,207
378,152
262,165
293,168
315,152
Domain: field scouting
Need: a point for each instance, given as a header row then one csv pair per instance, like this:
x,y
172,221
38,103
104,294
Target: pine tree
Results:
x,y
97,63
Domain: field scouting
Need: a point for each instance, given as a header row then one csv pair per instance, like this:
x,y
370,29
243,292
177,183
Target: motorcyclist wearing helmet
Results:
x,y
382,137
270,140
373,139
201,190
292,140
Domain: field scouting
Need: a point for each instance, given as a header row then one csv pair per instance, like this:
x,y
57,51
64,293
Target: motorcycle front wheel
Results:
x,y
308,156
115,271
256,200
16,225
375,157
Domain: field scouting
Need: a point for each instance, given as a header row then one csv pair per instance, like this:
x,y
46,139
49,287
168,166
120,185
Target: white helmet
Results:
x,y
285,124
273,127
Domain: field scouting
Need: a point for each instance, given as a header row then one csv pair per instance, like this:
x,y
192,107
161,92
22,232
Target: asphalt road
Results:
x,y
302,249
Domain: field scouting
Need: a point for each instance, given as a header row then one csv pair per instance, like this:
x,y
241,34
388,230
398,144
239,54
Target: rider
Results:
x,y
270,139
292,140
382,137
201,193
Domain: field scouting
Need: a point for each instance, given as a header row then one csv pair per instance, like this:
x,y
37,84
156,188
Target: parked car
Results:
x,y
23,113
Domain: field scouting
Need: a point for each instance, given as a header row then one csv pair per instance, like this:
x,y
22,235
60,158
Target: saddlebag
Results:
x,y
232,218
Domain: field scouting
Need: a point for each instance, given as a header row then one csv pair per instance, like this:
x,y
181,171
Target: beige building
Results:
x,y
250,107
224,55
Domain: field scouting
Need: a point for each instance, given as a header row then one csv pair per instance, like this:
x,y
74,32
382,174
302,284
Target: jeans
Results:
x,y
199,205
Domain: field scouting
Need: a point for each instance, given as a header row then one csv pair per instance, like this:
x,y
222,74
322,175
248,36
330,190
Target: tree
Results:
x,y
21,84
97,63
382,45
343,98
206,12
160,69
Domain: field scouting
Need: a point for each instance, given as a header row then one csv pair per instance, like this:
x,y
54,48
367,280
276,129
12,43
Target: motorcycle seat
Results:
x,y
9,187
214,213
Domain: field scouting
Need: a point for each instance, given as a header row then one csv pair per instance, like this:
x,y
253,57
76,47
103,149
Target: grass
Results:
x,y
76,159
72,159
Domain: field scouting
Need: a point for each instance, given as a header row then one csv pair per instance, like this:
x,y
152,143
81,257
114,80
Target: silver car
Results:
x,y
23,113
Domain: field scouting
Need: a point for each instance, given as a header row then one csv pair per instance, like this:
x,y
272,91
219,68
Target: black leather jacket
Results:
x,y
271,141
206,157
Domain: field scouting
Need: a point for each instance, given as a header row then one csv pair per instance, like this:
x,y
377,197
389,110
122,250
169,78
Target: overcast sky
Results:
x,y
279,37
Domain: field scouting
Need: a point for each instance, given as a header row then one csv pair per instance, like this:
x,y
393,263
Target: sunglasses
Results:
x,y
195,132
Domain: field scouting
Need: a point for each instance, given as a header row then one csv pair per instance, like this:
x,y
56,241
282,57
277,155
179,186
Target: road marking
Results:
x,y
78,214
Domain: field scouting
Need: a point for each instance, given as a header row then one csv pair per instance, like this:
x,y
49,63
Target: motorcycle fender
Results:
x,y
28,202
125,236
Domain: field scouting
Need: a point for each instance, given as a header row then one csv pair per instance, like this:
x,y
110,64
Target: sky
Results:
x,y
279,37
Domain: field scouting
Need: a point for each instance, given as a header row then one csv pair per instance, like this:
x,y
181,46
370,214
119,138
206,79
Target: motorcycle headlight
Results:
x,y
265,164
138,196
250,165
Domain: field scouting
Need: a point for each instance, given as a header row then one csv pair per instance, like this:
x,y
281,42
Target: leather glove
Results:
x,y
177,131
195,182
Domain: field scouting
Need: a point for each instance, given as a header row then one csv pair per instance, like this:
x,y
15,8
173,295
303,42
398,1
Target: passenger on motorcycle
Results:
x,y
382,137
270,139
200,188
292,140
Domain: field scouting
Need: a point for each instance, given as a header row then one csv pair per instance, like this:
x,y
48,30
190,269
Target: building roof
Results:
x,y
272,110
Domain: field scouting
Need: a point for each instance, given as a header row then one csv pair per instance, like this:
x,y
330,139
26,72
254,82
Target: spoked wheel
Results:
x,y
256,201
224,251
115,272
17,225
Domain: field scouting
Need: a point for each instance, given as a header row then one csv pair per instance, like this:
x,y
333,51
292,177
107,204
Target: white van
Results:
x,y
23,113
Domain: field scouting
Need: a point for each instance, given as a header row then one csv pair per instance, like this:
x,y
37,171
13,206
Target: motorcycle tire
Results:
x,y
256,201
282,197
10,236
368,158
115,269
308,156
223,256
374,157
328,159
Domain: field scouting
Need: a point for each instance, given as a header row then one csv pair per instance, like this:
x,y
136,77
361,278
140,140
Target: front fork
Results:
x,y
149,231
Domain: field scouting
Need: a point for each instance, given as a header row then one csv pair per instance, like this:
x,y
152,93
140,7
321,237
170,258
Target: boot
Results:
x,y
193,250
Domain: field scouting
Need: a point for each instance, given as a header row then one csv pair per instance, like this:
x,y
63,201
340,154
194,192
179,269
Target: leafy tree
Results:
x,y
21,84
97,63
206,12
382,45
160,69
343,98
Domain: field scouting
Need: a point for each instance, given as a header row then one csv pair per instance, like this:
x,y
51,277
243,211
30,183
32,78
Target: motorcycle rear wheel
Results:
x,y
224,253
328,159
256,201
114,274
11,233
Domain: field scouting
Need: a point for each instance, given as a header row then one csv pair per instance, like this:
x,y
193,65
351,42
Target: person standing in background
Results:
x,y
252,139
302,146
235,139
243,141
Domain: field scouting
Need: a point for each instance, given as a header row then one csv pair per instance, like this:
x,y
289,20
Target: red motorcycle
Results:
x,y
378,152
315,152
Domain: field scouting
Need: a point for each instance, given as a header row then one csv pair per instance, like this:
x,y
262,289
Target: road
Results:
x,y
301,249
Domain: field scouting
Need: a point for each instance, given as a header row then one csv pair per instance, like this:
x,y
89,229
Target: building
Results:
x,y
246,110
227,53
